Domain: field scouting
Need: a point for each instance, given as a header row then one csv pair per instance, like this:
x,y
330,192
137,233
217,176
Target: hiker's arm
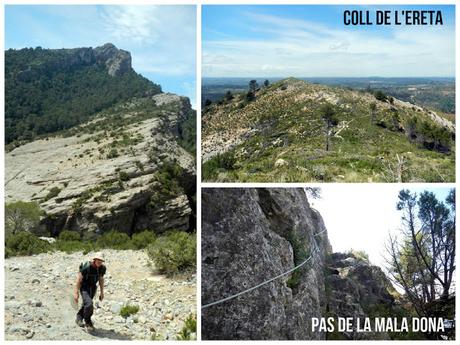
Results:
x,y
77,286
101,285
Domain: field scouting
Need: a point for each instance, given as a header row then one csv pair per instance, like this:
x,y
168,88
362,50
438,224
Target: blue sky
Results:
x,y
161,39
312,41
361,216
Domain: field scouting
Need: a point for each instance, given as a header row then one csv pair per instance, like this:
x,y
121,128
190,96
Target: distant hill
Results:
x,y
435,93
294,131
49,90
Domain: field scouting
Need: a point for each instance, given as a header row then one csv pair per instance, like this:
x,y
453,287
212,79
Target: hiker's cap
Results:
x,y
98,256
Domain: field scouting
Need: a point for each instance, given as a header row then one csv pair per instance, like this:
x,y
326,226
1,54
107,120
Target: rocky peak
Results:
x,y
117,61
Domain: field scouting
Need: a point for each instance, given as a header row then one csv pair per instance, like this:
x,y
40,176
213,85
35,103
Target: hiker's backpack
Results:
x,y
91,278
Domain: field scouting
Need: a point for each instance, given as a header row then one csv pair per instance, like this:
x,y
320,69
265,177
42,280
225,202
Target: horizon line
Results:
x,y
374,76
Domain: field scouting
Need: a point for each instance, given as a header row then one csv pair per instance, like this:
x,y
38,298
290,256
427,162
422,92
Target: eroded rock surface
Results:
x,y
105,175
247,237
250,236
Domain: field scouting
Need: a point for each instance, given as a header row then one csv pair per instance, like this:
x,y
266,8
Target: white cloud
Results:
x,y
140,24
161,38
311,49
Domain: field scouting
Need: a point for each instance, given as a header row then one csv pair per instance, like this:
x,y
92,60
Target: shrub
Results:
x,y
168,176
25,243
72,246
114,240
359,254
67,235
224,161
113,153
128,310
173,252
379,95
188,329
123,176
52,193
21,216
228,96
143,239
300,254
250,96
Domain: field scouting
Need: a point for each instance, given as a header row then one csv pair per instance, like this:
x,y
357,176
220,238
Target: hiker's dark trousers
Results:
x,y
86,310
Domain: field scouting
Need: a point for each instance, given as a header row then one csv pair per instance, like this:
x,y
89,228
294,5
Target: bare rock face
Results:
x,y
117,61
357,289
110,174
248,237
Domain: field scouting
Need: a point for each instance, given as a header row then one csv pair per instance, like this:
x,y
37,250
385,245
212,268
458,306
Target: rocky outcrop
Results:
x,y
111,173
357,289
250,236
116,61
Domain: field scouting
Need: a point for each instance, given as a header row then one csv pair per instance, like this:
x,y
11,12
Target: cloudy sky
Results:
x,y
161,39
361,216
312,41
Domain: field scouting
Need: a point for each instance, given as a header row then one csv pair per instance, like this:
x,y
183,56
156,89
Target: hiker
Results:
x,y
91,272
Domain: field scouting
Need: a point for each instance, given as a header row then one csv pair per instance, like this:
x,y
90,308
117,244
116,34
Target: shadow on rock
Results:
x,y
109,334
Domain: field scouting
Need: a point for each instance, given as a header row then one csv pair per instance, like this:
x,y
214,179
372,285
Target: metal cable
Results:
x,y
267,281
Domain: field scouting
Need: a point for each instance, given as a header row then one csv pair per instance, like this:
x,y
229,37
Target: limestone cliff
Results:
x,y
116,61
252,235
123,170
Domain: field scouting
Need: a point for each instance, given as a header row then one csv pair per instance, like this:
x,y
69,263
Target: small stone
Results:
x,y
35,281
115,308
35,303
280,163
119,319
27,318
30,335
168,316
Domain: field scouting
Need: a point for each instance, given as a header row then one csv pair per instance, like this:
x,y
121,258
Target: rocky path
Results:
x,y
38,293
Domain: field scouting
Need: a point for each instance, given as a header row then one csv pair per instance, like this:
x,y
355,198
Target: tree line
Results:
x,y
44,95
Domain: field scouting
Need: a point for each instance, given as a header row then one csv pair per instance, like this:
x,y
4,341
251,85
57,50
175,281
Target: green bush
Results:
x,y
173,252
21,216
359,254
72,246
114,240
25,243
52,193
143,239
188,329
224,161
169,177
67,235
379,95
113,153
123,176
128,310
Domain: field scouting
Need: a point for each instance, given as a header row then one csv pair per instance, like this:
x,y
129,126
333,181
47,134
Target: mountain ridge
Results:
x,y
286,115
48,90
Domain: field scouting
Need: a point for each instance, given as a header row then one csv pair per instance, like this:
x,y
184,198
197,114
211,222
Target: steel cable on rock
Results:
x,y
267,281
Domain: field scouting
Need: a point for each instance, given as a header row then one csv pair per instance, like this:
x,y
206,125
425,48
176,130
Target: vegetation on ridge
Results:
x,y
280,136
45,93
